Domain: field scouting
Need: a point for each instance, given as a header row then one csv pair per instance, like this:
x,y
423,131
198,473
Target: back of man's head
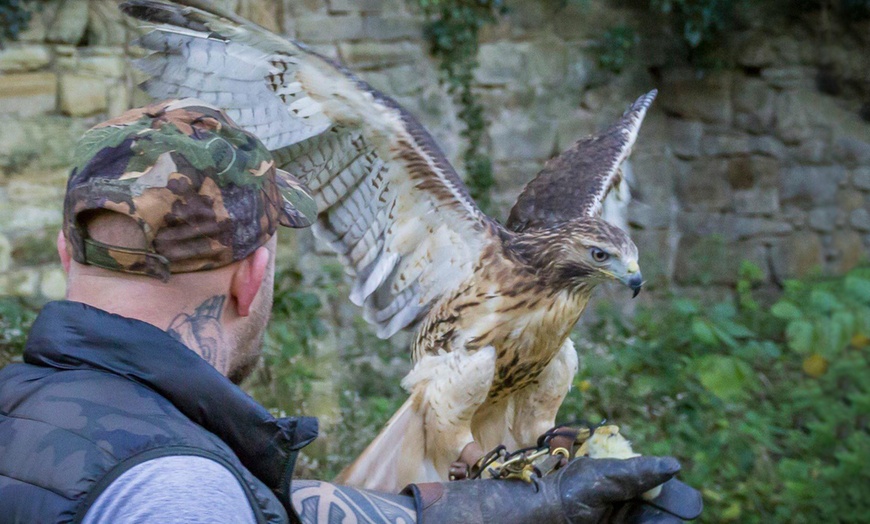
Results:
x,y
204,192
170,211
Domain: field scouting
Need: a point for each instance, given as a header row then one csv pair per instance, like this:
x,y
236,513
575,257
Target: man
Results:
x,y
124,409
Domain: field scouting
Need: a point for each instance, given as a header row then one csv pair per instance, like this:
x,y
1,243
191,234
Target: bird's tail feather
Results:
x,y
395,458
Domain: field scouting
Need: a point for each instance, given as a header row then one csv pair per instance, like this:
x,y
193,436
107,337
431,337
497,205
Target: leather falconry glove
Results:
x,y
586,491
675,503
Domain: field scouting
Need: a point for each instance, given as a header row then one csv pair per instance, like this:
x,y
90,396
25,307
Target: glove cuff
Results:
x,y
424,496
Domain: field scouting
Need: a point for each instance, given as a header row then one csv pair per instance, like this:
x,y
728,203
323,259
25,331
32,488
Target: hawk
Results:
x,y
492,304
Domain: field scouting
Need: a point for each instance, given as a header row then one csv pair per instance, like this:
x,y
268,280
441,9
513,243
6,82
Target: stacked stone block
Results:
x,y
766,160
67,70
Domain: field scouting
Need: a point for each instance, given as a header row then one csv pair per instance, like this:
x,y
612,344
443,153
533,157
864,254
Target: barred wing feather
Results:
x,y
389,203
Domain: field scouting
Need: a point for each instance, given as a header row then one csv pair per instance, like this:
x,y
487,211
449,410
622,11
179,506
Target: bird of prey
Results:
x,y
492,304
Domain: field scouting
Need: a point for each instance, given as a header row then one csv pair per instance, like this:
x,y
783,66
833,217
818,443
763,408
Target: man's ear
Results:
x,y
247,280
62,252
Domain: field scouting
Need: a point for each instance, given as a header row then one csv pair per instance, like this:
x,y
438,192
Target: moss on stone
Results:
x,y
34,250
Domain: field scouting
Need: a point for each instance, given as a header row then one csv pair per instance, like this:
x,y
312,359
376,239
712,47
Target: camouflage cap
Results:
x,y
205,192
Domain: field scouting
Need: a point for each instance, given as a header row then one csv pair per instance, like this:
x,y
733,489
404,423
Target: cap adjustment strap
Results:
x,y
136,261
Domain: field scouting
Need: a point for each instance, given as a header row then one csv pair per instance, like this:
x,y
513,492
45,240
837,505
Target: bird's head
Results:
x,y
585,252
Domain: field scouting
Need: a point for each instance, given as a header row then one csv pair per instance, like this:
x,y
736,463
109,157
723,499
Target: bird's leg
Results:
x,y
463,466
535,407
454,386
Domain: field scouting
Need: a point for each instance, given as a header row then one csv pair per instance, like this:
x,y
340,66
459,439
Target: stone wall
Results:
x,y
747,162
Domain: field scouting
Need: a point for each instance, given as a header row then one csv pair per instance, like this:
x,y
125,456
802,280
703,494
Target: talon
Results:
x,y
458,471
468,463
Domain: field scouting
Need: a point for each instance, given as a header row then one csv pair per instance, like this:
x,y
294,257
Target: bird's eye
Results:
x,y
599,255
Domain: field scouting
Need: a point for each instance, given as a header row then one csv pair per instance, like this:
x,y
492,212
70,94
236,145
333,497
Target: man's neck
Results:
x,y
196,323
201,330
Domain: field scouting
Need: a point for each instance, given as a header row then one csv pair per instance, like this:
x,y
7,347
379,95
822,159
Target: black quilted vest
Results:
x,y
99,393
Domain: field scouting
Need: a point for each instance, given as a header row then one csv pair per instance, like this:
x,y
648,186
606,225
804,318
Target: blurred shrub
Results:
x,y
14,18
767,408
615,48
700,27
699,22
284,378
362,377
369,395
16,318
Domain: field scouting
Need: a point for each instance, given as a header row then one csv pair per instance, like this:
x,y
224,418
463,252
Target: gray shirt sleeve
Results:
x,y
173,489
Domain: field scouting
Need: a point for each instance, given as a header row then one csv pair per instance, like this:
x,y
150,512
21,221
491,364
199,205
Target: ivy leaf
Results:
x,y
726,377
786,310
846,321
824,301
800,336
732,512
831,338
723,312
685,306
704,333
736,330
858,287
644,386
862,320
770,350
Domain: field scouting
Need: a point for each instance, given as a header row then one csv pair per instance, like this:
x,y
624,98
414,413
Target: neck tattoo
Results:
x,y
201,331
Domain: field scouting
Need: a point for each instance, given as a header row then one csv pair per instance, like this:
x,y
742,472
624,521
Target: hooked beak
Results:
x,y
633,278
635,283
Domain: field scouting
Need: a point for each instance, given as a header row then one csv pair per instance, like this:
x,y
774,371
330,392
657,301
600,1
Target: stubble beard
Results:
x,y
248,341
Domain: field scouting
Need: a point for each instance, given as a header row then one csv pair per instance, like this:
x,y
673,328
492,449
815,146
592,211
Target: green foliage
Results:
x,y
769,419
700,26
452,30
846,10
370,394
14,18
284,379
38,248
363,377
15,320
767,408
854,9
699,22
615,48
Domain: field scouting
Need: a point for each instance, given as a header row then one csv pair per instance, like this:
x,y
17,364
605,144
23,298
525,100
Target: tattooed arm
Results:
x,y
317,502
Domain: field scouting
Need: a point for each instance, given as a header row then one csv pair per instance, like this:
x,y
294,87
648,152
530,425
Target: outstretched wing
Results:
x,y
389,202
575,183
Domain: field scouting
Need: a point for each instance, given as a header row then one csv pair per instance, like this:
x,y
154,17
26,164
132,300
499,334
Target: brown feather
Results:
x,y
575,183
